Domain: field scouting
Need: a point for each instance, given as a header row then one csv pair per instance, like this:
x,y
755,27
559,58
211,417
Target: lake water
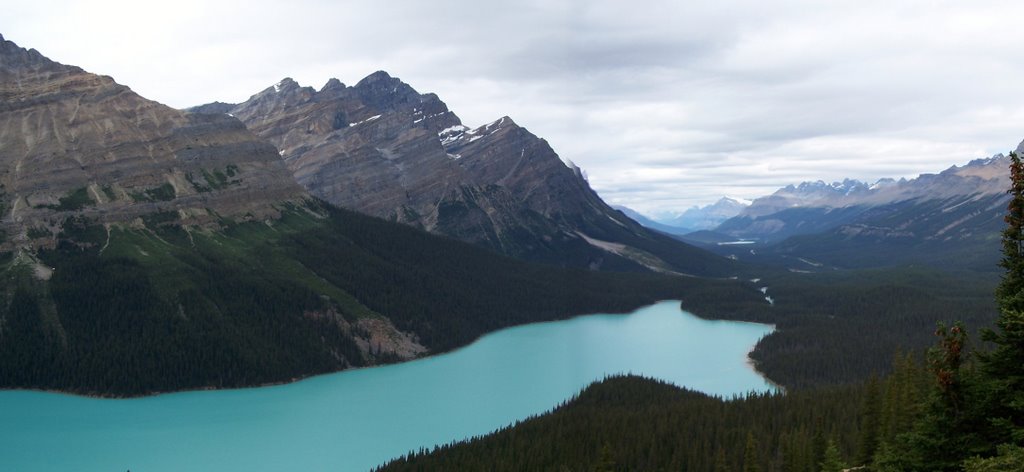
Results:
x,y
358,419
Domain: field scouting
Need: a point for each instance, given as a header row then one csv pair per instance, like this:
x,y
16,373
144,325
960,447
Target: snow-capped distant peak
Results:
x,y
457,129
847,186
284,83
738,200
452,134
882,183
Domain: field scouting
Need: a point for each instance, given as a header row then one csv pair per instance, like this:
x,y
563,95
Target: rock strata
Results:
x,y
382,148
74,143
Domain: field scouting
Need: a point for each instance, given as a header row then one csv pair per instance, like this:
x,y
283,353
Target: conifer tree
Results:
x,y
750,456
1004,366
605,461
1010,293
833,461
720,464
819,443
870,422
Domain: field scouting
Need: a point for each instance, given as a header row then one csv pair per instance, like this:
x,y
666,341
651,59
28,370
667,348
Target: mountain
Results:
x,y
952,219
147,249
381,148
649,223
709,216
79,144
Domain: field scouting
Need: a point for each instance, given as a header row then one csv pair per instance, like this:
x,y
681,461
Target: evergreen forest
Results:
x,y
959,406
130,311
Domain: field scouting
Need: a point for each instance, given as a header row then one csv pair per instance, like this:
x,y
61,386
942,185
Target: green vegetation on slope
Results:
x,y
132,310
846,326
449,292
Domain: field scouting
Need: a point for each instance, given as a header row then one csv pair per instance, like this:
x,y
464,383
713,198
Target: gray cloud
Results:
x,y
664,104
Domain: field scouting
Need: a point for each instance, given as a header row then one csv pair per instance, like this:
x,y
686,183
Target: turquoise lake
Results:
x,y
355,420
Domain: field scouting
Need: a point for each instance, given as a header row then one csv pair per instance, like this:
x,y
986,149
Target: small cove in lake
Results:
x,y
355,420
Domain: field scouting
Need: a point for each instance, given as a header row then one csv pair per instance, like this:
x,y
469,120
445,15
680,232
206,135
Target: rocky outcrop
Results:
x,y
74,143
381,148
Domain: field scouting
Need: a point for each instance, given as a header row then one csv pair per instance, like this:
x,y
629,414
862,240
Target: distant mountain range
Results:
x,y
381,148
693,219
649,223
709,216
951,219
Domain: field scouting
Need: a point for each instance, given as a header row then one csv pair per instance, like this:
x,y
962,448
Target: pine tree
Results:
x,y
1009,459
819,443
947,433
870,422
605,461
720,464
833,461
750,455
1004,366
1010,293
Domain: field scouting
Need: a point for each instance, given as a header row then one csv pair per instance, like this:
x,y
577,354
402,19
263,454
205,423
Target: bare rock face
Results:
x,y
74,143
382,148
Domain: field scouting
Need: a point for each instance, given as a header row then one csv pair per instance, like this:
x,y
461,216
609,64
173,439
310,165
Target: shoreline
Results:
x,y
103,396
753,366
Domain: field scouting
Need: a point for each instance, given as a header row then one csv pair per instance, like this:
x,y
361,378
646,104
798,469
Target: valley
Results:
x,y
340,277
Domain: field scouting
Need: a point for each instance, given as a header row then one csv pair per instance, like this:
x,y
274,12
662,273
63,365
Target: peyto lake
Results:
x,y
355,420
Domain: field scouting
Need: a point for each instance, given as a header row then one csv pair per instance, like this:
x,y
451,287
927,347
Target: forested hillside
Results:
x,y
633,423
126,310
845,326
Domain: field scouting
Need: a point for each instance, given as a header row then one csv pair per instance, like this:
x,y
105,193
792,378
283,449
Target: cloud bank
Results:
x,y
665,104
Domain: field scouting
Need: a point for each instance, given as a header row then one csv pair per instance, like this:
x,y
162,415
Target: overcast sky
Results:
x,y
664,104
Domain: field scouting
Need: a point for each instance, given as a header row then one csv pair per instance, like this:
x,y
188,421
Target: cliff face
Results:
x,y
76,143
382,148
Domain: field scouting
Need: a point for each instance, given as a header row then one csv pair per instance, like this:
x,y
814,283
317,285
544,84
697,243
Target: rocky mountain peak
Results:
x,y
332,85
376,77
18,61
707,216
382,148
383,91
819,187
82,145
285,89
286,83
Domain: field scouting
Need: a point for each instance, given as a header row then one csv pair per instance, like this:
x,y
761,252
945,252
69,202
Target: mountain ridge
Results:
x,y
948,219
382,148
80,144
788,211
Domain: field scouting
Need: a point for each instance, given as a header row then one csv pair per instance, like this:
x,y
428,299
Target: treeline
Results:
x,y
632,423
450,293
846,326
903,422
134,311
113,325
943,415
